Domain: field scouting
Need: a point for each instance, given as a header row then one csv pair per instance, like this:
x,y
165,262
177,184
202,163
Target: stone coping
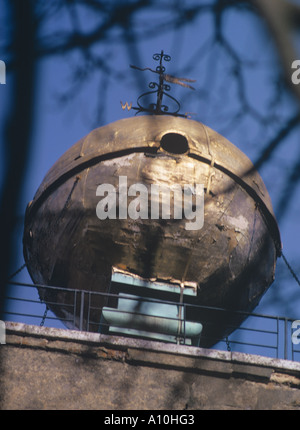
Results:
x,y
138,346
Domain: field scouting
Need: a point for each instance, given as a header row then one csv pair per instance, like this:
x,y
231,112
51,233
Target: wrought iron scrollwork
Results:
x,y
161,89
160,57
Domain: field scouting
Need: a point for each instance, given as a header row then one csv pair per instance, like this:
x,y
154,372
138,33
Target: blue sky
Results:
x,y
216,102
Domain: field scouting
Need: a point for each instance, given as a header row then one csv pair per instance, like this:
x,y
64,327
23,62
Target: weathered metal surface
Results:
x,y
232,258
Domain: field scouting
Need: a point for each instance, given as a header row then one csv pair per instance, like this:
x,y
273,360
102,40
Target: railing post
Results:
x,y
81,311
89,310
277,338
285,338
184,321
74,308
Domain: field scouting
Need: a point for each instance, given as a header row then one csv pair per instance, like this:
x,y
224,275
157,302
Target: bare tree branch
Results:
x,y
269,149
283,19
18,128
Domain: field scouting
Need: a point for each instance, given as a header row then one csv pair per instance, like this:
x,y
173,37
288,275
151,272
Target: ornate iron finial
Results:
x,y
160,89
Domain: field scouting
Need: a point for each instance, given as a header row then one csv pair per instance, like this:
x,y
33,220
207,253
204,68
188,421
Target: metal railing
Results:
x,y
259,334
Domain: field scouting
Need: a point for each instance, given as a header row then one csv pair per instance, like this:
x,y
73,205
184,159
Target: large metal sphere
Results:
x,y
231,258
